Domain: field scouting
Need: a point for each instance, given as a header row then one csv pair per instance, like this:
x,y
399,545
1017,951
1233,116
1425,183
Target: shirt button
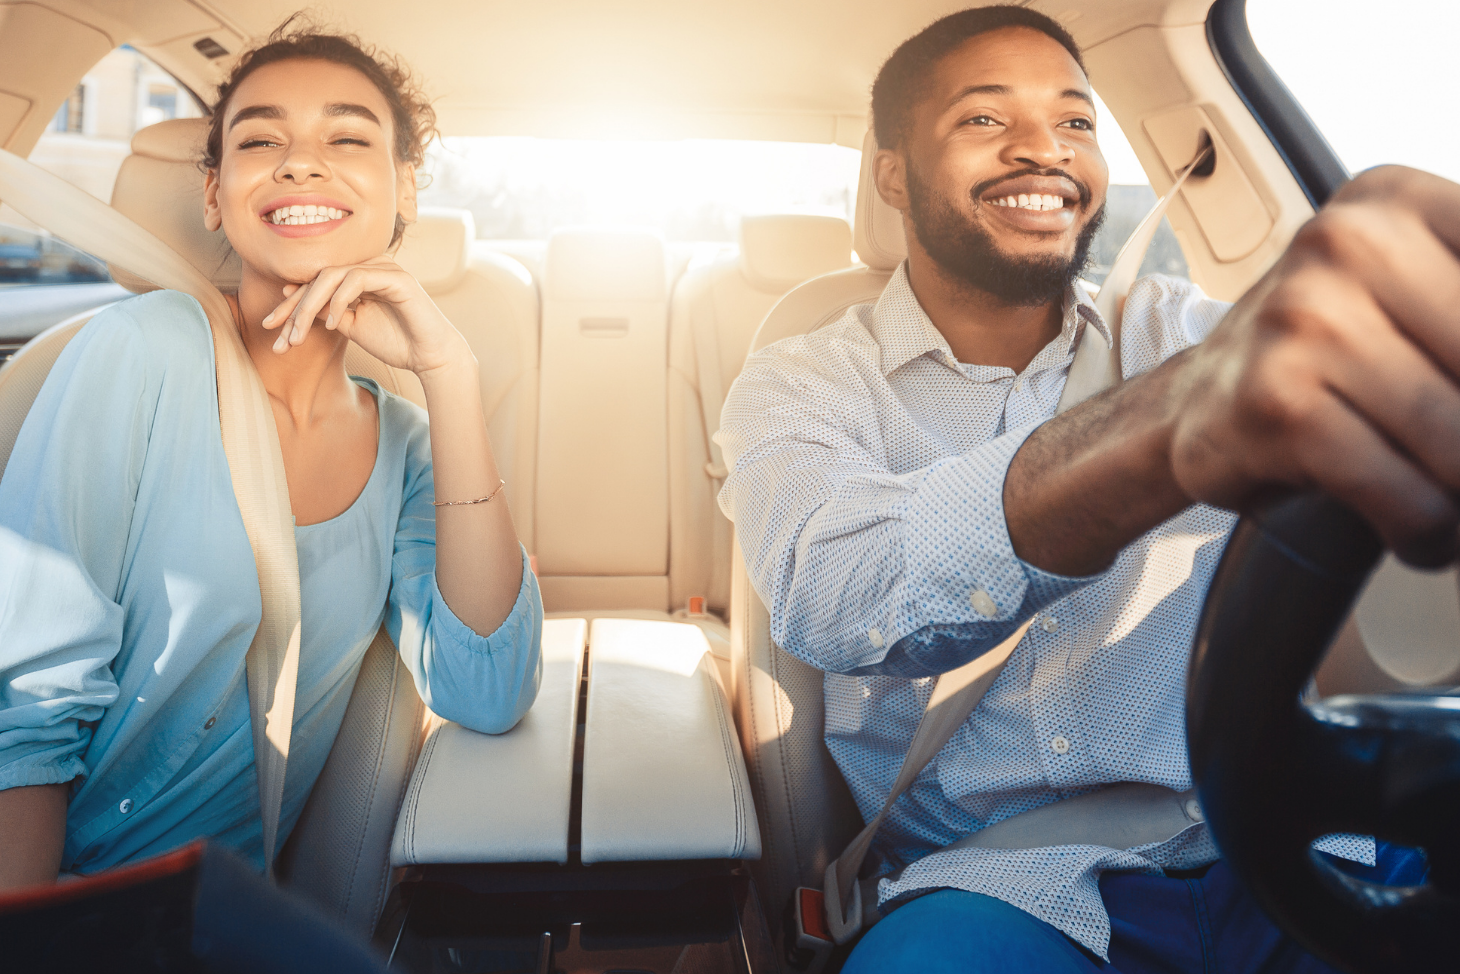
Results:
x,y
1018,386
982,604
125,806
1060,745
1193,811
210,723
1050,624
874,636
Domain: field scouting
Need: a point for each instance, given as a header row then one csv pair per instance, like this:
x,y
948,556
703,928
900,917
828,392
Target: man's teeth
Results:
x,y
1031,201
297,215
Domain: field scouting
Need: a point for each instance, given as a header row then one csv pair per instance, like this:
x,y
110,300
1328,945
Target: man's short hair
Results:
x,y
903,79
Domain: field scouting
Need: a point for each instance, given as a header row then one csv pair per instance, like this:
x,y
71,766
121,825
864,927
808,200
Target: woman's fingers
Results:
x,y
293,293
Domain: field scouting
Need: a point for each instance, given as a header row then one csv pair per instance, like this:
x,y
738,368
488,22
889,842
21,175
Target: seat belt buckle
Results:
x,y
808,940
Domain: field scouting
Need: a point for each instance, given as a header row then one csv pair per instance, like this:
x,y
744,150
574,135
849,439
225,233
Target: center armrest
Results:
x,y
500,797
663,776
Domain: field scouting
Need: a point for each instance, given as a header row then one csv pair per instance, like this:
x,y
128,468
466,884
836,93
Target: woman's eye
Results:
x,y
253,143
350,140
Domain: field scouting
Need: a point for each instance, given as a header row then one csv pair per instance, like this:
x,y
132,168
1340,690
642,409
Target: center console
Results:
x,y
605,833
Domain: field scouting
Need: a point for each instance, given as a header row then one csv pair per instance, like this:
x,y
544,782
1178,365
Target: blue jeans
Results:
x,y
1158,925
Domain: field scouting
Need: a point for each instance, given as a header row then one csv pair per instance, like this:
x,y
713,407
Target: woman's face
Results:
x,y
307,177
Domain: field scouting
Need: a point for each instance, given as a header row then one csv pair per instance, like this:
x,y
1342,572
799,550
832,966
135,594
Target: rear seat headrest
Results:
x,y
878,227
778,252
437,247
161,188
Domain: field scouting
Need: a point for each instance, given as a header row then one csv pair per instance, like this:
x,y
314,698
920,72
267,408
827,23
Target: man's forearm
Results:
x,y
32,834
1091,481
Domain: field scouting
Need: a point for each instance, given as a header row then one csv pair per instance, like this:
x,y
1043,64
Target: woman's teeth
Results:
x,y
1034,201
299,215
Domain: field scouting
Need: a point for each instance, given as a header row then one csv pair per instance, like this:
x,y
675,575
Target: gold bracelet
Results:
x,y
479,500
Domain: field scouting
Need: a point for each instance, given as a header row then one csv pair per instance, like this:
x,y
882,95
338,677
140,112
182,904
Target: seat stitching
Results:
x,y
413,751
738,799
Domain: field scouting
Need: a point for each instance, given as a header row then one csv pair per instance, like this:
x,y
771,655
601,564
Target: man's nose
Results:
x,y
1036,146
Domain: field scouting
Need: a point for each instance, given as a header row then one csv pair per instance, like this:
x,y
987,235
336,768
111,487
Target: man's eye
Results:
x,y
1083,124
981,120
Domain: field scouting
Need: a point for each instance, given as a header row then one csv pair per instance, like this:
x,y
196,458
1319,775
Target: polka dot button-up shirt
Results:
x,y
866,486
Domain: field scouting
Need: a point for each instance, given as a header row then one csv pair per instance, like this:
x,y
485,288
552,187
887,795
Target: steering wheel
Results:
x,y
1275,773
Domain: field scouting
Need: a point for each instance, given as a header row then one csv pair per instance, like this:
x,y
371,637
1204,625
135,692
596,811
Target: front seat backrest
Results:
x,y
807,815
723,302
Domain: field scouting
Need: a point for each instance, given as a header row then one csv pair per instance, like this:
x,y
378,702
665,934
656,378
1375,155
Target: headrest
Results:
x,y
879,237
436,248
604,264
778,252
161,188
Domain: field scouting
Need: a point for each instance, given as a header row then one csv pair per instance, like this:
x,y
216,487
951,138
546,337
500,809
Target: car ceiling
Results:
x,y
795,70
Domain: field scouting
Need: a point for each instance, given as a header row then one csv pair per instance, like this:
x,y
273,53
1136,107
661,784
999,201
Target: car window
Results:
x,y
44,280
1367,79
1129,199
690,190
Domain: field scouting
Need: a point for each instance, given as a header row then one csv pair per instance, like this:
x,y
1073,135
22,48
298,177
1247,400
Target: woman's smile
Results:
x,y
304,216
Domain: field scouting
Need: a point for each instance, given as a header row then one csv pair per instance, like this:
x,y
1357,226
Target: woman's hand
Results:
x,y
379,306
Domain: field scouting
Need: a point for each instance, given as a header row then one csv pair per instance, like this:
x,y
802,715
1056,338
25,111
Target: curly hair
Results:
x,y
413,120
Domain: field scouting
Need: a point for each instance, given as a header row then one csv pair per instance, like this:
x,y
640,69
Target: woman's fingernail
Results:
x,y
295,334
269,317
329,322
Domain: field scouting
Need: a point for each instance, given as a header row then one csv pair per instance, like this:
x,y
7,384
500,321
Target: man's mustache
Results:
x,y
979,189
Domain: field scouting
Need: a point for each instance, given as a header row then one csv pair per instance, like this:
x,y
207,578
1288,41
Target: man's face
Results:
x,y
999,173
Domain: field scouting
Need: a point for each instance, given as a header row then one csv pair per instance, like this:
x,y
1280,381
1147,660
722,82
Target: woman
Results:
x,y
128,591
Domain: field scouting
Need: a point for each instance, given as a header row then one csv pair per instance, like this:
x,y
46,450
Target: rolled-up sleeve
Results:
x,y
487,682
865,571
66,507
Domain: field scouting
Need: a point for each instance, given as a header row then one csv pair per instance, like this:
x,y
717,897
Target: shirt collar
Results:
x,y
904,331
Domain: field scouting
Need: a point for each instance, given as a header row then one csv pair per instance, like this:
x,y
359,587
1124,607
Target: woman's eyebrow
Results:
x,y
256,111
345,108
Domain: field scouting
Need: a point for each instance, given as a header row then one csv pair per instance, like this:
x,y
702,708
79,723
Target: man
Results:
x,y
905,499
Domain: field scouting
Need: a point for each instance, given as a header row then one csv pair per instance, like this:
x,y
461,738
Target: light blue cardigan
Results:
x,y
129,597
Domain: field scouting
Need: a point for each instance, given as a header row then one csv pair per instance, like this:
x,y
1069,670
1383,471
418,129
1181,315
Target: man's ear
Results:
x,y
405,195
889,174
212,212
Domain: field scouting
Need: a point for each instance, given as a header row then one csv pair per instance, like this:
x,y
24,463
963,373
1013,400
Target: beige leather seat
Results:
x,y
339,851
806,813
726,299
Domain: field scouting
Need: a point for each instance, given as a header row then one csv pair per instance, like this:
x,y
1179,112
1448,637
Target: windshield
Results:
x,y
1368,77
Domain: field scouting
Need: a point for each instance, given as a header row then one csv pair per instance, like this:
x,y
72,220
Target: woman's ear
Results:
x,y
405,195
212,213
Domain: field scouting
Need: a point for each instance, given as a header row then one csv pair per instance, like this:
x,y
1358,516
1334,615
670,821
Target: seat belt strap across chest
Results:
x,y
1096,367
250,443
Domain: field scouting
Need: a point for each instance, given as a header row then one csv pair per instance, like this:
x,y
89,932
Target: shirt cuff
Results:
x,y
515,630
45,771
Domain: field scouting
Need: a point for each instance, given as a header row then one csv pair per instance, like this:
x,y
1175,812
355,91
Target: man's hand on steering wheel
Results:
x,y
1340,369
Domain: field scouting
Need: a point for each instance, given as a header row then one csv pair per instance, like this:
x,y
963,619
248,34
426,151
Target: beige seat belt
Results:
x,y
1096,367
250,442
712,389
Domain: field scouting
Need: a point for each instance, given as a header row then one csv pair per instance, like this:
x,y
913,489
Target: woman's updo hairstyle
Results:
x,y
413,120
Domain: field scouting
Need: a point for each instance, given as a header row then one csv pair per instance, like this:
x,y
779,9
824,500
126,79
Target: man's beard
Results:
x,y
965,250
